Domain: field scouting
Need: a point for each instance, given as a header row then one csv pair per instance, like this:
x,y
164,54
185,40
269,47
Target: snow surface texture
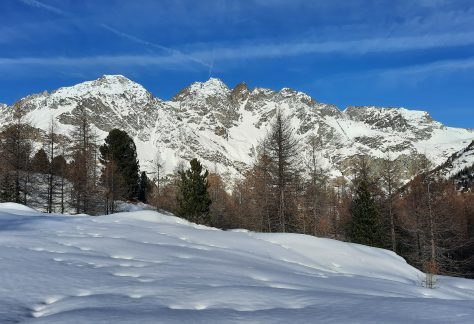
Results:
x,y
145,267
223,127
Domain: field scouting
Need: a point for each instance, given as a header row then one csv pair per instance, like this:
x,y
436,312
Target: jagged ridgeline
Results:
x,y
222,127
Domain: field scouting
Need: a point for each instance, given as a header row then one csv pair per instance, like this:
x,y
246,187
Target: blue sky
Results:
x,y
415,54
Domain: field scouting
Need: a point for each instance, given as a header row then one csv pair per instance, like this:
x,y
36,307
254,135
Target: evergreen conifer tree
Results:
x,y
7,188
119,152
366,227
59,165
193,196
143,187
40,162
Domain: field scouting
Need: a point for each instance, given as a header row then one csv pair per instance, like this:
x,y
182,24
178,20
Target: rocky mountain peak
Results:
x,y
241,87
108,85
213,85
222,126
397,119
288,92
240,92
108,100
201,90
114,78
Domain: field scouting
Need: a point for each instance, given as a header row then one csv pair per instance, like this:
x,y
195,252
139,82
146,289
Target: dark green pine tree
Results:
x,y
193,196
143,187
119,151
40,162
366,226
7,188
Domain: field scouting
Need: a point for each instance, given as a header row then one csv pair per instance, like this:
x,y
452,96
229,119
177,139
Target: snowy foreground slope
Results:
x,y
145,267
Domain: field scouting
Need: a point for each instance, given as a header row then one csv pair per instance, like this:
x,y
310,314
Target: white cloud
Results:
x,y
41,5
433,67
349,47
170,61
408,75
91,61
138,40
227,55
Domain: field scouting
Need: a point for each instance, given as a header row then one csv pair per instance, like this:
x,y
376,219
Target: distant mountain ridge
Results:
x,y
223,126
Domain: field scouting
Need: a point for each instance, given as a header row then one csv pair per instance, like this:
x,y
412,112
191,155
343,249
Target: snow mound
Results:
x,y
13,207
147,267
346,258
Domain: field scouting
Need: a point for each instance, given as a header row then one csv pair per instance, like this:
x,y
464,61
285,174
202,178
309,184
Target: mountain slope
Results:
x,y
224,126
146,267
460,168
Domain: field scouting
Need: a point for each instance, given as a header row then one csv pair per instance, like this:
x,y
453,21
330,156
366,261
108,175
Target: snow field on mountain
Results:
x,y
465,160
222,126
147,267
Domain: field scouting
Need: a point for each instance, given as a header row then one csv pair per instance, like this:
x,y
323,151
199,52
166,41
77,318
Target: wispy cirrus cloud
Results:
x,y
92,61
234,54
169,50
173,55
44,6
210,54
410,75
429,68
349,47
174,61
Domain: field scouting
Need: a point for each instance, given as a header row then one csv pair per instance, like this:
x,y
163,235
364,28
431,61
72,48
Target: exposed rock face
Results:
x,y
223,126
400,120
209,103
5,114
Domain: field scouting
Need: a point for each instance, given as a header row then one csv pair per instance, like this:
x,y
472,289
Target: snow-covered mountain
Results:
x,y
457,162
146,267
223,126
459,168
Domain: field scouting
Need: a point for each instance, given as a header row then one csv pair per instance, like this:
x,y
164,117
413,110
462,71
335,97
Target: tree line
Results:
x,y
427,221
74,174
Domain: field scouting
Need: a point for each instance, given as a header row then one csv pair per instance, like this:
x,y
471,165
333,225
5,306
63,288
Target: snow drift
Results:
x,y
145,267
